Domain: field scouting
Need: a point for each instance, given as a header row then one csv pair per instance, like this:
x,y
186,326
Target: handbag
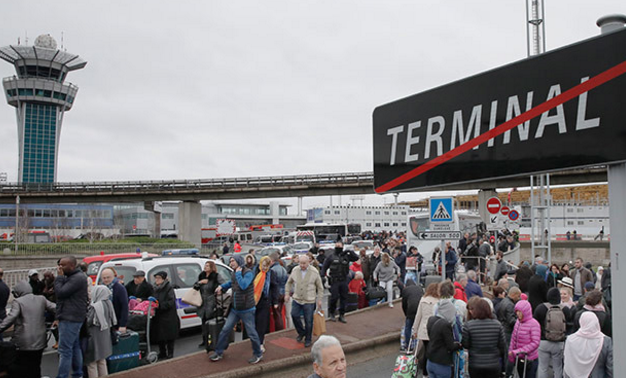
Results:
x,y
376,292
192,297
319,323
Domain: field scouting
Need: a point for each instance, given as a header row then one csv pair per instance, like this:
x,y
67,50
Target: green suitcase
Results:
x,y
125,353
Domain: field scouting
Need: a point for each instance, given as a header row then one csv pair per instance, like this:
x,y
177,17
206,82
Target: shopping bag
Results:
x,y
406,366
319,323
192,297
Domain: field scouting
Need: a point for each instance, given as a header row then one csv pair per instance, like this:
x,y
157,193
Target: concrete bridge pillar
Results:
x,y
483,196
190,222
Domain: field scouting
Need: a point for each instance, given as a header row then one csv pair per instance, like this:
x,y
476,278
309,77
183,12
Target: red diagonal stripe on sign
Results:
x,y
572,93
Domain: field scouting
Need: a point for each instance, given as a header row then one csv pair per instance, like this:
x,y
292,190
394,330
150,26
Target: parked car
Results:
x,y
94,262
182,272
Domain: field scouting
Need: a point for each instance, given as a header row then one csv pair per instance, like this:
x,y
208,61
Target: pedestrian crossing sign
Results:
x,y
441,210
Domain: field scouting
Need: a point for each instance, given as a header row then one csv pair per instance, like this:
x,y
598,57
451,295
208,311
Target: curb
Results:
x,y
305,358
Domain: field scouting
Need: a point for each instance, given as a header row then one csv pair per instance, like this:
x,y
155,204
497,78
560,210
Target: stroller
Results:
x,y
139,321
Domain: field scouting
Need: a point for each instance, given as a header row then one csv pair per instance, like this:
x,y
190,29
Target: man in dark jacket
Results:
x,y
139,287
411,296
339,265
70,287
507,317
35,283
538,287
243,308
550,350
4,298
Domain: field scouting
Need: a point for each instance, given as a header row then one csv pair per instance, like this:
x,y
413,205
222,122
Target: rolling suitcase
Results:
x,y
125,353
352,302
211,329
406,363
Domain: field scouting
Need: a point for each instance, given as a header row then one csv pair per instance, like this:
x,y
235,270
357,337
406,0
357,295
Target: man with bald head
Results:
x,y
70,288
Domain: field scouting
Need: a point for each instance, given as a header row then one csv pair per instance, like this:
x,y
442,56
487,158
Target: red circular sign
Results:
x,y
505,210
494,205
513,215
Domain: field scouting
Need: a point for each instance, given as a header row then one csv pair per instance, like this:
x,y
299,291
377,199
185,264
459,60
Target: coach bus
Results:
x,y
328,231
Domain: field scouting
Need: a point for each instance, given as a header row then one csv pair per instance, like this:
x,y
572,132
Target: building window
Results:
x,y
368,224
368,212
327,212
570,210
580,210
169,215
404,213
337,212
395,224
580,223
377,225
386,213
570,223
395,213
386,224
403,224
377,213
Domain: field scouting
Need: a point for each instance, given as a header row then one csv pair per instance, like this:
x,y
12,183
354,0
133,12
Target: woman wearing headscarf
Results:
x,y
442,345
165,324
588,352
208,280
525,340
100,320
385,273
483,337
265,295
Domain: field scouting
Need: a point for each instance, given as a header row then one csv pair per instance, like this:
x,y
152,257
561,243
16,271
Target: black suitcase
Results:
x,y
352,302
211,329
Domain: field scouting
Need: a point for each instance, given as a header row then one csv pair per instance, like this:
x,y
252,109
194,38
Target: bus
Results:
x,y
330,231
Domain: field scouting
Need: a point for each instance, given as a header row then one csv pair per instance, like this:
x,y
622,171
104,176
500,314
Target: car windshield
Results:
x,y
300,246
92,268
124,274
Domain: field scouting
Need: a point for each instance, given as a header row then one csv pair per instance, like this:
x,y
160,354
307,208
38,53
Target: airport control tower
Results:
x,y
41,98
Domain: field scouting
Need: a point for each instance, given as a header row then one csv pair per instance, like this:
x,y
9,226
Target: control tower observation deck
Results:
x,y
41,98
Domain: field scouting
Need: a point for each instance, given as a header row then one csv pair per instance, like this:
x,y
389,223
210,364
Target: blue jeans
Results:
x,y
70,354
437,370
307,310
248,322
408,325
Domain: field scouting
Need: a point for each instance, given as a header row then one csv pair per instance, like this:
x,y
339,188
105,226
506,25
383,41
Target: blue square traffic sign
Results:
x,y
441,210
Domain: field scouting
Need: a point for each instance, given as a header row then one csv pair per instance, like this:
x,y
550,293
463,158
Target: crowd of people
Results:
x,y
485,319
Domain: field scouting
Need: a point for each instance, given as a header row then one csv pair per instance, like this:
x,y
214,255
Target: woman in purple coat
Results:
x,y
525,340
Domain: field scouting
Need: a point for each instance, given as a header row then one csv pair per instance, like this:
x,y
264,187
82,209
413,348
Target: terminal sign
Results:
x,y
558,110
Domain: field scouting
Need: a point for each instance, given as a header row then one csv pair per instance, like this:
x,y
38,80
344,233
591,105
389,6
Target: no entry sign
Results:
x,y
493,205
558,110
505,210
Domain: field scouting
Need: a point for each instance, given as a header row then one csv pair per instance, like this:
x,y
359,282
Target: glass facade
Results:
x,y
40,127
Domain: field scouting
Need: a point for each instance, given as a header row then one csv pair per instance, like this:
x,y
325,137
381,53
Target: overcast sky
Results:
x,y
209,89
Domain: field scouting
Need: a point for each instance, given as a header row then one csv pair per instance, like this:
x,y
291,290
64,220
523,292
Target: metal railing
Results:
x,y
12,277
51,249
364,178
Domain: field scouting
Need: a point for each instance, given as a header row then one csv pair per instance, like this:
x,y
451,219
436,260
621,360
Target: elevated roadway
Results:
x,y
249,187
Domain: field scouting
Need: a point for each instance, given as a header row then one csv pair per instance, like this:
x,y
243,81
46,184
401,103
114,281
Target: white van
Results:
x,y
182,272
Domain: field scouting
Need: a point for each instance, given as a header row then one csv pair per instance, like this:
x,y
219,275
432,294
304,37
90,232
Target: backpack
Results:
x,y
554,324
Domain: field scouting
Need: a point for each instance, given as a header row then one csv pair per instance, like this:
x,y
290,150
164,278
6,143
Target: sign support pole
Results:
x,y
617,211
